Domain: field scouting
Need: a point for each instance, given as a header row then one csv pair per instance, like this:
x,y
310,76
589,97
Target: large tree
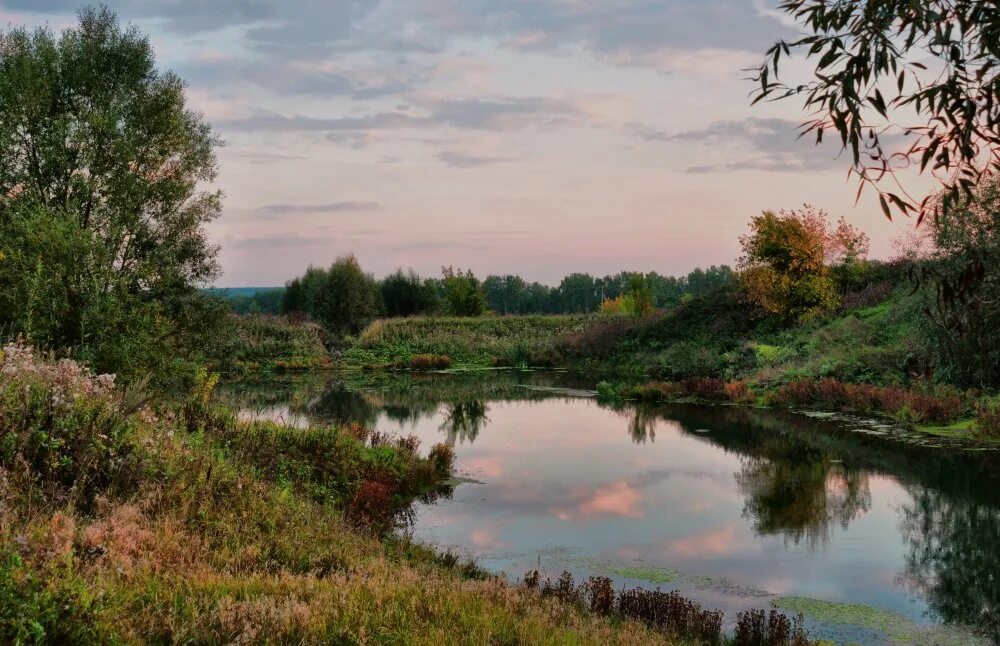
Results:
x,y
102,199
782,270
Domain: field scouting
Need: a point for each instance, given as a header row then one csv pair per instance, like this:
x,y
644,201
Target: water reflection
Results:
x,y
463,420
800,493
772,501
953,559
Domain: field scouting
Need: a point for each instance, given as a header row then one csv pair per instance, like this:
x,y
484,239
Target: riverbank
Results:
x,y
128,522
868,358
734,507
941,411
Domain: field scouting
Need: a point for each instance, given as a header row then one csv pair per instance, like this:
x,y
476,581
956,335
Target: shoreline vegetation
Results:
x,y
131,521
861,359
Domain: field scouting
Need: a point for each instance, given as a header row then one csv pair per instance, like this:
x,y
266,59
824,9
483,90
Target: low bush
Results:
x,y
63,423
279,343
692,359
429,362
988,419
468,342
760,628
944,406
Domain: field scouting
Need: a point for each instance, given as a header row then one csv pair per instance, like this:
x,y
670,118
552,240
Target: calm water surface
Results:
x,y
734,507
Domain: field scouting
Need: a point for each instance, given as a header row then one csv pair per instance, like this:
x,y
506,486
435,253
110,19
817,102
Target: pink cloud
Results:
x,y
485,539
489,467
615,500
716,542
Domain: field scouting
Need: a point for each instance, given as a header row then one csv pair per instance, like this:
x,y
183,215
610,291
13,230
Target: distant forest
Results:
x,y
508,294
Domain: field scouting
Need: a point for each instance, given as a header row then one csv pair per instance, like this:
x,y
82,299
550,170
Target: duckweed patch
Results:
x,y
649,573
897,628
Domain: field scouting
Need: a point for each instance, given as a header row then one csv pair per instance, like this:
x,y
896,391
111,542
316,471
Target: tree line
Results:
x,y
105,191
345,298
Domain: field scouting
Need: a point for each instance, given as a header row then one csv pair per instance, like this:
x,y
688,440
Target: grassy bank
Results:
x,y
466,342
867,357
178,523
273,343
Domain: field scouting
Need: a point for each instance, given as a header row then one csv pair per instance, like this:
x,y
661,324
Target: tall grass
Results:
x,y
466,341
278,343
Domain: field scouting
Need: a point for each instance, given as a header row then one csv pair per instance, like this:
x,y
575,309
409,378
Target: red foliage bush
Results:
x,y
704,387
739,393
429,362
372,502
911,405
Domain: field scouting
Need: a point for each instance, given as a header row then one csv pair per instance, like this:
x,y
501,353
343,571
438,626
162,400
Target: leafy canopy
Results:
x,y
462,292
343,298
102,210
784,268
882,63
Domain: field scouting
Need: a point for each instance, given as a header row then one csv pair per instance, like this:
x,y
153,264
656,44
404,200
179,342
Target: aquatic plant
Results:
x,y
759,628
429,362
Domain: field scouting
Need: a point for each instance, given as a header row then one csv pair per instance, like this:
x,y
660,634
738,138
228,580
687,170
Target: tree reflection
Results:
x,y
339,405
463,420
953,558
801,493
642,424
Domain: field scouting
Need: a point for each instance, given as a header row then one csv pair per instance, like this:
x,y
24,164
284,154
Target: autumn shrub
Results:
x,y
371,502
944,406
429,362
739,392
63,423
704,388
988,419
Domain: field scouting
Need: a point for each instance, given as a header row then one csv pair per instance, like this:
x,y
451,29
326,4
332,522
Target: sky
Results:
x,y
536,137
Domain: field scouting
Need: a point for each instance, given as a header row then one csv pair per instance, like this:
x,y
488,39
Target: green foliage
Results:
x,y
405,294
343,298
467,342
582,293
43,607
101,225
463,295
257,301
870,67
274,343
691,359
965,330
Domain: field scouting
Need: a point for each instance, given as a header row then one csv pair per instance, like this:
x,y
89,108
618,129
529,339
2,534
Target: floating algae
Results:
x,y
896,628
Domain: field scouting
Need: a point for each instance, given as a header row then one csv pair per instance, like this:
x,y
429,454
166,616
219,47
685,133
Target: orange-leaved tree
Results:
x,y
785,267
